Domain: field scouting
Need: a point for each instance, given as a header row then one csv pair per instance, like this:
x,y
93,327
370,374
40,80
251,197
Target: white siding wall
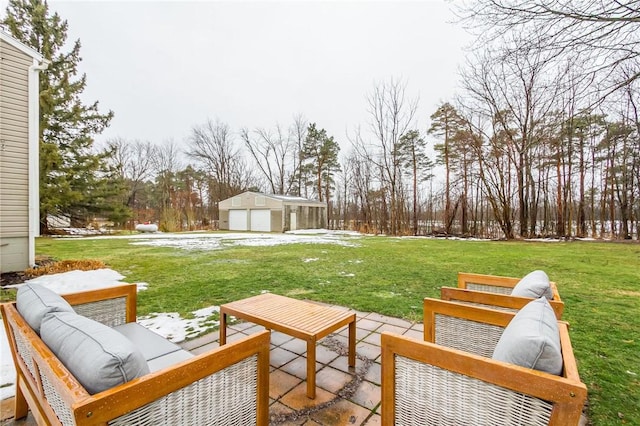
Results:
x,y
14,158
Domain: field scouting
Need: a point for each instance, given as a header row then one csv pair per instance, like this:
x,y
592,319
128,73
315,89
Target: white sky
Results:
x,y
163,67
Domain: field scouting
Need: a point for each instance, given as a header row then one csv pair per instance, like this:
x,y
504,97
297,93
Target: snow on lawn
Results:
x,y
218,241
177,329
169,325
221,241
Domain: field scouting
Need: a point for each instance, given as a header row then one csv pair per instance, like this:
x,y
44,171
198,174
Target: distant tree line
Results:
x,y
182,188
543,140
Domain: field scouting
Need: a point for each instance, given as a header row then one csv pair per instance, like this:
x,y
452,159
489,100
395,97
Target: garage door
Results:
x,y
261,220
237,220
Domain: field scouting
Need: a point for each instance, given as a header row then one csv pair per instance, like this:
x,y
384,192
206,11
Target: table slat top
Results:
x,y
300,315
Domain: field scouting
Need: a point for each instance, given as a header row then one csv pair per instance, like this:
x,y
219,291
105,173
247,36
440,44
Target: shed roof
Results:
x,y
8,38
290,199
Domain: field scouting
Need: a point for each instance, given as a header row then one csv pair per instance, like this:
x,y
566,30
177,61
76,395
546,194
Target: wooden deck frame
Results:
x,y
98,409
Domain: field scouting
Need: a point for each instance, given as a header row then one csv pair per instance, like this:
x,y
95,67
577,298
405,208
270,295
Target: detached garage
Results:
x,y
253,211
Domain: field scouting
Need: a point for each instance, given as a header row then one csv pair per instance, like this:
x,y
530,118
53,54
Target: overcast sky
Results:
x,y
163,67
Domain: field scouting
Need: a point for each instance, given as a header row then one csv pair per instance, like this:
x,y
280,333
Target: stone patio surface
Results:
x,y
343,397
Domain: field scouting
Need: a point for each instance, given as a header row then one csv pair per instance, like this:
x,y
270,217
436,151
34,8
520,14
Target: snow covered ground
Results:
x,y
219,241
168,324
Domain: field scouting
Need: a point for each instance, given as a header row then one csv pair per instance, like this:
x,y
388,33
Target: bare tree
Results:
x,y
166,164
392,115
606,31
212,146
133,162
361,184
298,132
513,91
276,155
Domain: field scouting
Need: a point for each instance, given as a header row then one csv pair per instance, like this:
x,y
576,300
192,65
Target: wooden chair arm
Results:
x,y
496,300
495,283
466,278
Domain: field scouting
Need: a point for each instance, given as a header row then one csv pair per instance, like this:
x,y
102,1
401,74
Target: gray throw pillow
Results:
x,y
532,339
34,301
535,284
98,356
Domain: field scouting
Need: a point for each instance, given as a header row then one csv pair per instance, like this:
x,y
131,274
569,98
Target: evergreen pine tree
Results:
x,y
320,157
414,159
73,176
446,122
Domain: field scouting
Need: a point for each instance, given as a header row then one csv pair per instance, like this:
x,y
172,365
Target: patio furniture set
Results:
x,y
488,357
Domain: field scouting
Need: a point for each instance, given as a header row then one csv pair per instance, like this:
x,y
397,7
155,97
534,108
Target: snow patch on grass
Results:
x,y
218,240
173,327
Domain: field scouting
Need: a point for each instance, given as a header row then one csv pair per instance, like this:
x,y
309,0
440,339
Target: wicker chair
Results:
x,y
450,378
494,292
225,386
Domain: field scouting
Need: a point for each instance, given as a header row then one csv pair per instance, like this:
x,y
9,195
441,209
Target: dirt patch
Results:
x,y
10,278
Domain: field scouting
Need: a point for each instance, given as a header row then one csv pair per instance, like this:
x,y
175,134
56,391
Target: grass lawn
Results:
x,y
599,283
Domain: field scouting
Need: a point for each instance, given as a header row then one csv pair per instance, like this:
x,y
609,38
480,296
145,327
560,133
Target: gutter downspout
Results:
x,y
34,155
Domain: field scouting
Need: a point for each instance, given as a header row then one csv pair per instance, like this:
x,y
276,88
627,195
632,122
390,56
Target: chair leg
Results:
x,y
21,408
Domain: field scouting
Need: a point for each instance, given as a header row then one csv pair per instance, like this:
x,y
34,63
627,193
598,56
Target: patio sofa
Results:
x,y
505,293
481,366
81,359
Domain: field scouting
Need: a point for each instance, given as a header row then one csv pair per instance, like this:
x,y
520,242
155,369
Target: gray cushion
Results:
x,y
532,339
98,356
157,351
34,301
535,284
169,359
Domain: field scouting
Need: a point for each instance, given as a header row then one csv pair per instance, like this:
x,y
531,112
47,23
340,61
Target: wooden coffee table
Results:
x,y
303,320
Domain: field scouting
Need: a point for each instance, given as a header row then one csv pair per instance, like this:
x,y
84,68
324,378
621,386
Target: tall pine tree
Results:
x,y
320,157
446,122
414,158
73,176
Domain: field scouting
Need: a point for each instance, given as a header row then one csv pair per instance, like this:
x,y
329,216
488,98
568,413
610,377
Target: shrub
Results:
x,y
64,266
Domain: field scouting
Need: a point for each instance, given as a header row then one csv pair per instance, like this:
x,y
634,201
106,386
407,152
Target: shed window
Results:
x,y
236,201
260,201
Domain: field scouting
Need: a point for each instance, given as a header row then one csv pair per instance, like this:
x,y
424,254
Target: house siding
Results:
x,y
14,158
